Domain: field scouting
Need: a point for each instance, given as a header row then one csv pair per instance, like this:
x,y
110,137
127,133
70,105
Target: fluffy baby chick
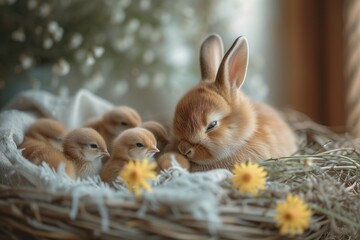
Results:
x,y
38,152
160,133
132,144
48,131
85,148
113,122
43,143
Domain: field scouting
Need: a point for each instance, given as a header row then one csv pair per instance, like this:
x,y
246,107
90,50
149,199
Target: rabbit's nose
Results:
x,y
186,149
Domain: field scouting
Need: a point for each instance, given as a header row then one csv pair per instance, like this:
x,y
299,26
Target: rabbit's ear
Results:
x,y
211,53
232,71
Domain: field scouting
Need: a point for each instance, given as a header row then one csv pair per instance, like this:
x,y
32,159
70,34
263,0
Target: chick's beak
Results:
x,y
106,154
154,149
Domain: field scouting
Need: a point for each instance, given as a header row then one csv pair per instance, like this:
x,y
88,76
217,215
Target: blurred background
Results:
x,y
145,54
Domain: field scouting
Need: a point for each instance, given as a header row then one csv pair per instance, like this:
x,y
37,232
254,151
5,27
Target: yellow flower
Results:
x,y
249,177
293,215
137,173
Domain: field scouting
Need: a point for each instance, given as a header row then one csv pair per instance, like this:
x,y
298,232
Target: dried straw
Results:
x,y
325,172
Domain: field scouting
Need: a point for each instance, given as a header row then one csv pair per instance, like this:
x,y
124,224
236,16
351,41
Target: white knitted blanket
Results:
x,y
197,193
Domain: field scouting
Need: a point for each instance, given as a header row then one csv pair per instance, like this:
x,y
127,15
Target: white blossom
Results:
x,y
123,44
76,40
80,55
124,3
44,10
145,4
32,4
53,26
145,31
95,82
61,68
133,25
48,43
58,34
120,88
18,35
179,56
142,81
98,51
10,2
117,16
148,56
155,36
26,61
90,60
165,17
158,80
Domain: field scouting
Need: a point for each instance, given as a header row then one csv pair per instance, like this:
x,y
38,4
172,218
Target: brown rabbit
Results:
x,y
216,125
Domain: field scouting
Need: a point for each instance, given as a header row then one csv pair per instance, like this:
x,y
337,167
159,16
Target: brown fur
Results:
x,y
125,150
245,130
113,122
87,160
41,144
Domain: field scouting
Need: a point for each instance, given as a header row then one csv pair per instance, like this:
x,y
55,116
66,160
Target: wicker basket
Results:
x,y
326,173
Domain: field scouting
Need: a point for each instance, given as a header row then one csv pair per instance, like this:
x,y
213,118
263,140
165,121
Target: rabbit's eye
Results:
x,y
211,126
124,123
139,145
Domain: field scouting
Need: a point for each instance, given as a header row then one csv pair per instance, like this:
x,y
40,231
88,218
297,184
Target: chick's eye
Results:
x,y
139,144
93,145
59,139
211,126
124,123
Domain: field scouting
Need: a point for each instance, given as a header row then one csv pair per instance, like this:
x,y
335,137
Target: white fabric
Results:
x,y
197,193
72,112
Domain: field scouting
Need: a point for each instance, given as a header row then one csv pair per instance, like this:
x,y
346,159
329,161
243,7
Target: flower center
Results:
x,y
289,216
135,175
246,177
